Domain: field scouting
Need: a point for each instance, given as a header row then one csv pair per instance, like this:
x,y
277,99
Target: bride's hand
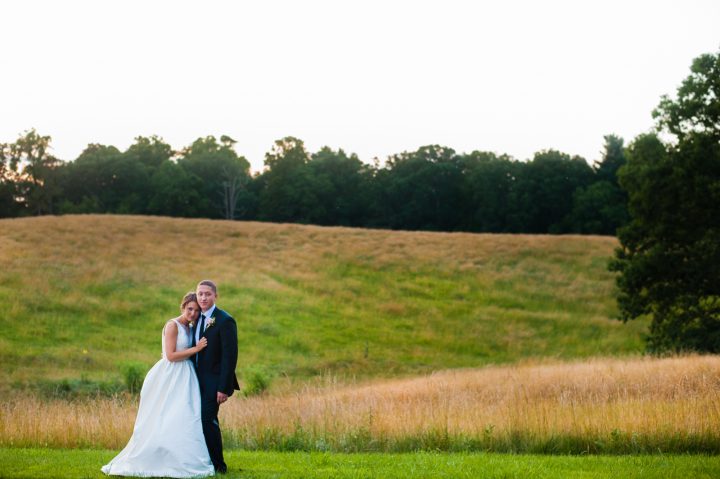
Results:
x,y
202,344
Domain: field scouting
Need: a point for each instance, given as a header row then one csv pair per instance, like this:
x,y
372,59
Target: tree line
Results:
x,y
433,188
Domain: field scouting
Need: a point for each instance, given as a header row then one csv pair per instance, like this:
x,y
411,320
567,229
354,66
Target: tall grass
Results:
x,y
83,295
602,405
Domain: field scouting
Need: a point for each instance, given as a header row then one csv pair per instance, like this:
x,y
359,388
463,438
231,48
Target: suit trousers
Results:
x,y
211,426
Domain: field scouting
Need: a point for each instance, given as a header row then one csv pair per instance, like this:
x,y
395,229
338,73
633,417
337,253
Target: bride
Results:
x,y
168,440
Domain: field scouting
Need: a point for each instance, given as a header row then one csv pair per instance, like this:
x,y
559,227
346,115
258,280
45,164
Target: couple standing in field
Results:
x,y
177,433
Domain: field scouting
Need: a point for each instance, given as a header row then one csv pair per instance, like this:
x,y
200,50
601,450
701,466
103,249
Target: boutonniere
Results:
x,y
210,322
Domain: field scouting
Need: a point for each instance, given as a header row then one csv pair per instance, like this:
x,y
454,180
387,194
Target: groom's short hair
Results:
x,y
207,282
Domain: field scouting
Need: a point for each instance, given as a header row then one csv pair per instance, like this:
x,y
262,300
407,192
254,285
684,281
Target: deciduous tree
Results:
x,y
670,251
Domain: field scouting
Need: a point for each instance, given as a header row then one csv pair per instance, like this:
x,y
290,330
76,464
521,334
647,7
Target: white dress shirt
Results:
x,y
208,314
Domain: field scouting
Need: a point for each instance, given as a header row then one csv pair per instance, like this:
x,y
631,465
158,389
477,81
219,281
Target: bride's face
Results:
x,y
191,311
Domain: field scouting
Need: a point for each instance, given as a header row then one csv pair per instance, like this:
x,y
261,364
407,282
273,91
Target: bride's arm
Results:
x,y
170,339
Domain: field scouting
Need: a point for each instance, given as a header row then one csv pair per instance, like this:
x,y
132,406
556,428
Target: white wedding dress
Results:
x,y
167,440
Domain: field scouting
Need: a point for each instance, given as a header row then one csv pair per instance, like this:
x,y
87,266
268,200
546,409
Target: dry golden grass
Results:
x,y
104,244
646,397
612,405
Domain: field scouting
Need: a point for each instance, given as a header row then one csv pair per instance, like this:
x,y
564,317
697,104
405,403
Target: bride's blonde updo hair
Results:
x,y
188,298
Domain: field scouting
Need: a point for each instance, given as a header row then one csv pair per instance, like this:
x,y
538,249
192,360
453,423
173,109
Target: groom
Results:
x,y
215,366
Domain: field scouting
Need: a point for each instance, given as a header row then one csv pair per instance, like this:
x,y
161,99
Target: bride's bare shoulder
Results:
x,y
170,326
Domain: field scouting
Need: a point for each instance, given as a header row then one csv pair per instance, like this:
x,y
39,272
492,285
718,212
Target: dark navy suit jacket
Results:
x,y
215,365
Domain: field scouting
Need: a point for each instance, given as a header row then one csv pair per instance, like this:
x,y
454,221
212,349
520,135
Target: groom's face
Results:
x,y
206,297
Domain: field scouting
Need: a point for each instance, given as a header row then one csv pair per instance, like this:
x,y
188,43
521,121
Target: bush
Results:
x,y
133,375
256,381
76,388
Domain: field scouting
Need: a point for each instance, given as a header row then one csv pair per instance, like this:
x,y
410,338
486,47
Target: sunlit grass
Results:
x,y
597,406
82,294
361,331
71,464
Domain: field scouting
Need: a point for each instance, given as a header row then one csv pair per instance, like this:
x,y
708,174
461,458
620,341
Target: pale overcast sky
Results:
x,y
371,77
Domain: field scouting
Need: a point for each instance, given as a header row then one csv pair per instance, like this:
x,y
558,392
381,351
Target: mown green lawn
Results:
x,y
54,463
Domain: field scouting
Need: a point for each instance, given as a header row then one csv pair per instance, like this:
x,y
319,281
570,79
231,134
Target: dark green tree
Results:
x,y
598,209
424,190
174,191
224,176
152,152
39,172
613,159
670,251
601,208
171,191
696,108
341,183
102,179
34,169
543,191
90,182
30,174
9,204
289,189
490,178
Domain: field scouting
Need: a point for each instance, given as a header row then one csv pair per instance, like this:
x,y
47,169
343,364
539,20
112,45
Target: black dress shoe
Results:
x,y
221,470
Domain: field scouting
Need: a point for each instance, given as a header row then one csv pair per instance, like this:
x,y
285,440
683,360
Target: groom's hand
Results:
x,y
221,397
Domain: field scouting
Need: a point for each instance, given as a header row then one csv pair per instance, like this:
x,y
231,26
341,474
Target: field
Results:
x,y
377,343
84,294
602,406
71,464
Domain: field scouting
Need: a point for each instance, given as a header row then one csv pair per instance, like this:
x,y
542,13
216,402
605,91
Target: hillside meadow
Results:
x,y
375,341
84,295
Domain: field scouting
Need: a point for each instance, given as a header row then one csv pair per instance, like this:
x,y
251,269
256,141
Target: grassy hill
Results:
x,y
84,294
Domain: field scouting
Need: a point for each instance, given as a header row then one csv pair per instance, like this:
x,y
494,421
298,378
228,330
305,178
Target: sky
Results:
x,y
371,77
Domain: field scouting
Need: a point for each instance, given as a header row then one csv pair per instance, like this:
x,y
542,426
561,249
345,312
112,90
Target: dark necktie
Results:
x,y
202,328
